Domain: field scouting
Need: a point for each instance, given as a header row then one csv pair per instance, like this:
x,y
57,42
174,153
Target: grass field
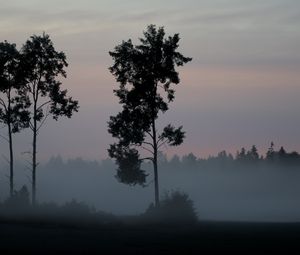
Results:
x,y
120,238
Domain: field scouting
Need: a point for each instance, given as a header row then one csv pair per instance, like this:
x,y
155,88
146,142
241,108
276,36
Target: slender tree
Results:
x,y
270,153
252,155
13,107
146,74
42,65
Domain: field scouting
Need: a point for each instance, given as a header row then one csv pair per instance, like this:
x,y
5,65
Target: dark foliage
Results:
x,y
172,135
14,106
74,214
146,74
175,208
42,66
19,200
129,167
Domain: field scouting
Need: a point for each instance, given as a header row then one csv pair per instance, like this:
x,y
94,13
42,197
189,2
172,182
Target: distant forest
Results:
x,y
246,180
244,158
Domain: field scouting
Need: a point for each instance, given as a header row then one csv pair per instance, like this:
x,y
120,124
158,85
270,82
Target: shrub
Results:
x,y
175,208
77,208
19,200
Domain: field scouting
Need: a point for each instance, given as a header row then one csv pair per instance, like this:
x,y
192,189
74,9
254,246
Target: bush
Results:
x,y
19,200
76,208
174,208
71,214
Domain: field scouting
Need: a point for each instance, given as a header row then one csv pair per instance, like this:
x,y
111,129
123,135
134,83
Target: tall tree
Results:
x,y
252,155
42,65
270,153
146,74
13,107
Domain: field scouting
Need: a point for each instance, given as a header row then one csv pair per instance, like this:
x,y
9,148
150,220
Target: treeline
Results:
x,y
82,172
244,158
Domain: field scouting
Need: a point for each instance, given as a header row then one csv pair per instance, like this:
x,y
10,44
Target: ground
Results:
x,y
202,238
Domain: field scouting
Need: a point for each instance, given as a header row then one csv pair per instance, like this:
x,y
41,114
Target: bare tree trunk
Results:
x,y
11,162
34,164
155,168
11,154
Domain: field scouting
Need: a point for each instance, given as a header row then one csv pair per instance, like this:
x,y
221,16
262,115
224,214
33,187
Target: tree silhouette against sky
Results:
x,y
42,65
13,106
146,74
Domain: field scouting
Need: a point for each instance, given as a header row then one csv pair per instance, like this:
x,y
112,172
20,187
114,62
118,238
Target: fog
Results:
x,y
221,188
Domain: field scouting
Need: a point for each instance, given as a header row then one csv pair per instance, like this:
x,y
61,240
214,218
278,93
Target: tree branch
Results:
x,y
3,104
5,158
43,122
38,85
42,105
31,125
163,143
146,149
149,134
4,138
161,138
148,158
148,144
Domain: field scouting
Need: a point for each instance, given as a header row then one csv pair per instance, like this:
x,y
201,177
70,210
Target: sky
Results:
x,y
242,87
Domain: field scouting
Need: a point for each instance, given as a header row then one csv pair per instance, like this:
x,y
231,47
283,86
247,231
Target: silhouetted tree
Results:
x,y
19,200
241,155
293,157
282,153
270,153
223,159
252,155
42,64
145,72
13,107
222,155
189,160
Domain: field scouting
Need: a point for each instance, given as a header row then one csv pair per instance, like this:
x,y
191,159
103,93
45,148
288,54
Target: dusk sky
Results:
x,y
242,87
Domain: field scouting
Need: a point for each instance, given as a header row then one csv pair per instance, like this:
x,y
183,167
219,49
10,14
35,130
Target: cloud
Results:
x,y
139,16
228,15
275,14
24,19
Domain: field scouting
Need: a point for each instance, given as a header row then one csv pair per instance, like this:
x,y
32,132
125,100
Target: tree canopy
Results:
x,y
14,106
42,65
146,74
